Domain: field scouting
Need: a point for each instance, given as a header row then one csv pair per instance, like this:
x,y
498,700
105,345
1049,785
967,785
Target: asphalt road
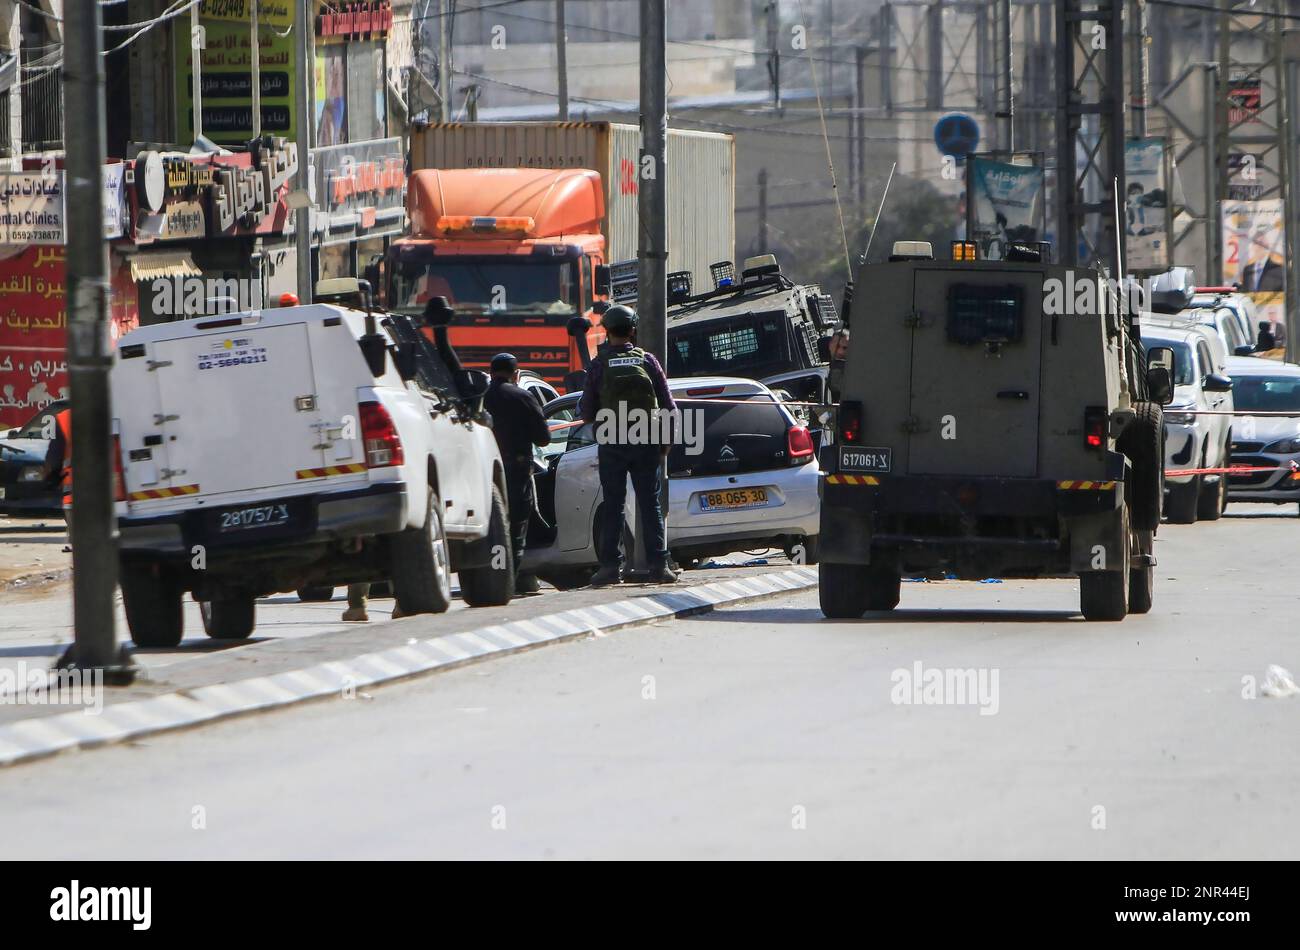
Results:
x,y
762,731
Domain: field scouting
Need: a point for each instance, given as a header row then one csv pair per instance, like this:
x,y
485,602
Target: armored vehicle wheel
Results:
x,y
1144,444
1182,503
841,590
1142,579
1103,595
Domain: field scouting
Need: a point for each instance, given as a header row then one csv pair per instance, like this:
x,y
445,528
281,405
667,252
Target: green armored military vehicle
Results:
x,y
996,419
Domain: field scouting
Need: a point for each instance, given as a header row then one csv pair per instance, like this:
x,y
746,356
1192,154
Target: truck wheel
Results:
x,y
492,586
419,566
1142,580
1182,504
231,617
315,595
883,587
1103,595
152,599
1144,444
841,591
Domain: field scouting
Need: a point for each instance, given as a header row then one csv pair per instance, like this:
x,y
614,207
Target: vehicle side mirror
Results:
x,y
1217,383
1160,374
824,349
473,384
1246,349
576,381
374,347
602,279
404,358
11,434
1160,385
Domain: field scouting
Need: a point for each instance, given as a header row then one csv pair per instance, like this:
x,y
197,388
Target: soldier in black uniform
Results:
x,y
518,424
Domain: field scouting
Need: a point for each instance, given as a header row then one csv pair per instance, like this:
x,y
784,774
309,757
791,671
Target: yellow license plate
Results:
x,y
735,498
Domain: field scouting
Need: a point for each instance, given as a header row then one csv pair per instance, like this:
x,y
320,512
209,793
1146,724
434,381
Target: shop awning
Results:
x,y
155,264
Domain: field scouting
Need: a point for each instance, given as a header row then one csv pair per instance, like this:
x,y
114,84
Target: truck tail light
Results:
x,y
382,443
119,480
1094,427
850,421
799,444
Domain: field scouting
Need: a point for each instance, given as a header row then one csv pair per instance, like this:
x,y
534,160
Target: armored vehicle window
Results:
x,y
981,314
741,346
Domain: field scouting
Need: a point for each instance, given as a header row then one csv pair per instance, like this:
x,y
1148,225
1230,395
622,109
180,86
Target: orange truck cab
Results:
x,y
515,251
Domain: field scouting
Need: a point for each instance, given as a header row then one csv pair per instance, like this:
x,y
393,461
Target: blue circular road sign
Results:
x,y
956,134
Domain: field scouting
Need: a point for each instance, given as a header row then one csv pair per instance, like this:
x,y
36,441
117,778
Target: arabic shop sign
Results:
x,y
363,19
32,208
360,175
227,70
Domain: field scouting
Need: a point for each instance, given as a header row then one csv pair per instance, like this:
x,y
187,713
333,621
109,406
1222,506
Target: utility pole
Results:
x,y
197,42
860,132
302,107
257,69
1139,71
444,60
1008,77
89,355
773,51
652,210
562,59
762,211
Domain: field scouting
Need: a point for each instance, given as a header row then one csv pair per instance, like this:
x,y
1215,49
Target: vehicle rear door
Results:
x,y
239,411
975,364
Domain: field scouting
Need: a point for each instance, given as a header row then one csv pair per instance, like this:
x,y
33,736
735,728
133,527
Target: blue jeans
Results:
x,y
641,462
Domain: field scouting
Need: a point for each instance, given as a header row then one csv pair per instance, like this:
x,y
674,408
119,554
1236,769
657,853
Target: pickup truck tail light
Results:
x,y
799,444
850,422
379,435
1094,427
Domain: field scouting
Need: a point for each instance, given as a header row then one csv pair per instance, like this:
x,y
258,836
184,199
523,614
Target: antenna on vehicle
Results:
x,y
879,211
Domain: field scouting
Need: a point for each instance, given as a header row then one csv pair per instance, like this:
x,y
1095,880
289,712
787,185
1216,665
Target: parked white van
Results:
x,y
304,446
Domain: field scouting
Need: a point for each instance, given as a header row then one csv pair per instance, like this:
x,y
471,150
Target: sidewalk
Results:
x,y
199,662
32,552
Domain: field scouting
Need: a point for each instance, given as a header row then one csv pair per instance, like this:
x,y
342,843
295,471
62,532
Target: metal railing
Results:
x,y
43,111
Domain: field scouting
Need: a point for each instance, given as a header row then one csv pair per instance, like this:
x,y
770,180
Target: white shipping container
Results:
x,y
701,178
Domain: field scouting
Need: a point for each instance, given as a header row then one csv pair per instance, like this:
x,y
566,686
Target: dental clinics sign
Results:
x,y
32,208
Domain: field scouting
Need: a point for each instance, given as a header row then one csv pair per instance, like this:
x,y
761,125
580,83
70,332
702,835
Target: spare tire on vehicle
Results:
x,y
1143,442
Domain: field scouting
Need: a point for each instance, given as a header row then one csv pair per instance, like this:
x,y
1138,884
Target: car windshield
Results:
x,y
751,345
1266,393
512,283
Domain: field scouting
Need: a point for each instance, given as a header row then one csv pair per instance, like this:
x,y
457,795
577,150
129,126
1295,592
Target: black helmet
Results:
x,y
619,319
504,363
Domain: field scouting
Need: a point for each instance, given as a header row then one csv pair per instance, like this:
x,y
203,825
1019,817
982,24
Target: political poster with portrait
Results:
x,y
1004,204
1254,254
1146,207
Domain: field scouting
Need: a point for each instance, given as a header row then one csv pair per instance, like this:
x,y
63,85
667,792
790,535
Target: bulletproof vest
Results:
x,y
627,381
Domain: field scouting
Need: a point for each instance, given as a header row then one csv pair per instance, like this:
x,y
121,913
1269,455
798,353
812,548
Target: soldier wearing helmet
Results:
x,y
626,384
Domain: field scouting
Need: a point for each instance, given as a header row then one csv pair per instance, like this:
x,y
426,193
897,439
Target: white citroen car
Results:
x,y
749,481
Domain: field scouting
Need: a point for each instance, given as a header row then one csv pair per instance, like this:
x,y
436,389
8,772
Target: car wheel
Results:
x,y
152,598
1103,595
806,548
841,591
231,617
491,585
1213,495
419,565
315,594
1180,508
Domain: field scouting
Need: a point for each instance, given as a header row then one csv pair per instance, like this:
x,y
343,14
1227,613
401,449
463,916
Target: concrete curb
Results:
x,y
36,738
